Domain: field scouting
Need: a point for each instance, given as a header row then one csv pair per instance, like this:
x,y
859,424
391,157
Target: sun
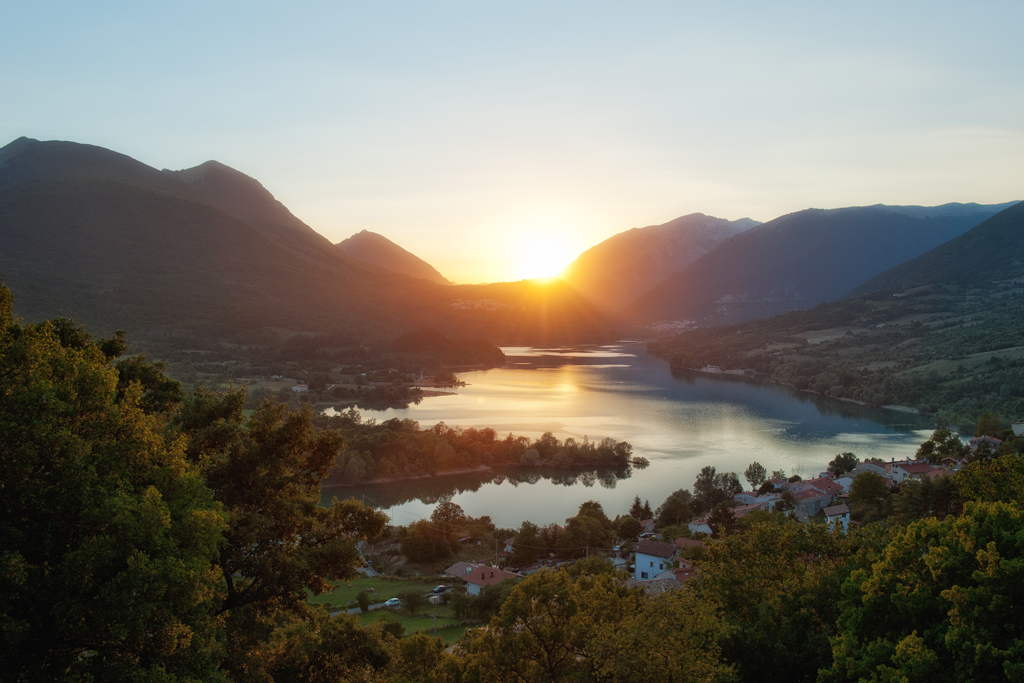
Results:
x,y
542,253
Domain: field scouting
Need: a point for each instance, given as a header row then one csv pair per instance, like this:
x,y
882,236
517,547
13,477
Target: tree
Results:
x,y
527,545
677,509
108,534
843,463
869,497
281,542
942,444
778,585
755,474
940,604
989,425
448,516
628,527
636,510
711,488
412,600
721,520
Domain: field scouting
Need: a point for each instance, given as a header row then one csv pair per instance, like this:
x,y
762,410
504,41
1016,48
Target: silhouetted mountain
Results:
x,y
615,272
96,236
988,252
244,197
800,260
380,251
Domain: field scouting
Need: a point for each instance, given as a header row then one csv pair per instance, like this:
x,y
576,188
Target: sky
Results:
x,y
499,141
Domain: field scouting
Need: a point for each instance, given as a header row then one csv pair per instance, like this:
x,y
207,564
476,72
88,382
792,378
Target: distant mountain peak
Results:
x,y
624,266
374,248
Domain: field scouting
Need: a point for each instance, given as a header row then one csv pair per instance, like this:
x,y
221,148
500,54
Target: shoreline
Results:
x,y
748,373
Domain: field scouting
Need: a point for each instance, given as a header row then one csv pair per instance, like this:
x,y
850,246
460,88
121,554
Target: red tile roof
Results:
x,y
682,543
488,576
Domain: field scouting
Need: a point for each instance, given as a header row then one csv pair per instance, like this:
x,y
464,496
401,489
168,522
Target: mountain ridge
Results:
x,y
374,248
795,261
616,271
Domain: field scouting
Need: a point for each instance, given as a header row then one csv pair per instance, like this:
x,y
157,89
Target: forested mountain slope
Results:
x,y
798,261
952,343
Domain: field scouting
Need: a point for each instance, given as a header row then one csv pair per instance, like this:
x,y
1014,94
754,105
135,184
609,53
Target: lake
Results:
x,y
679,421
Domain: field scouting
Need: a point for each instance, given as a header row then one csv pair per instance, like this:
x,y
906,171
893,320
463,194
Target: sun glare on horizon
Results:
x,y
542,253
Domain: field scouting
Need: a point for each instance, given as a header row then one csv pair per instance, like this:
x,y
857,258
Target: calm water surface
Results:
x,y
679,421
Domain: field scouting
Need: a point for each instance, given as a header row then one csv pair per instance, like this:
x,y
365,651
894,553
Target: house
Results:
x,y
683,573
1018,428
700,526
838,515
990,440
876,466
300,388
844,482
652,558
482,576
648,525
745,497
460,570
477,576
911,470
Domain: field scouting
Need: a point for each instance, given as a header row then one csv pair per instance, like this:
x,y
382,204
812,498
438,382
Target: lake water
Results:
x,y
679,421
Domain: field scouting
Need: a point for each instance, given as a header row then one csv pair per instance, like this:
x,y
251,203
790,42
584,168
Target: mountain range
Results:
x,y
800,260
207,252
615,272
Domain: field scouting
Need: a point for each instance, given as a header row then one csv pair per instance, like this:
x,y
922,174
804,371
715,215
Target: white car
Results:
x,y
392,602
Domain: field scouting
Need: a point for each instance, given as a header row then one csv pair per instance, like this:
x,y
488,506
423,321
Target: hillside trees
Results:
x,y
843,463
755,474
554,627
711,488
940,604
108,535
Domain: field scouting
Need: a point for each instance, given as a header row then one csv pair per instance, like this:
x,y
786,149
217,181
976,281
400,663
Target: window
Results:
x,y
652,564
643,575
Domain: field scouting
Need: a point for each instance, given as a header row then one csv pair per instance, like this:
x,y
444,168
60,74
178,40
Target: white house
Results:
x,y
838,515
479,575
700,526
652,558
300,387
917,469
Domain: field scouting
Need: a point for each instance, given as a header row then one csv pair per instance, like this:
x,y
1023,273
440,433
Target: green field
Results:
x,y
449,628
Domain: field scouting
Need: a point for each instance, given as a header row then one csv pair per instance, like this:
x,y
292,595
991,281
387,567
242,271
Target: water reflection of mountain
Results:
x,y
430,490
893,419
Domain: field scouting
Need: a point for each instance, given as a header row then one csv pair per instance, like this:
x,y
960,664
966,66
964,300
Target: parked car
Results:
x,y
392,602
440,589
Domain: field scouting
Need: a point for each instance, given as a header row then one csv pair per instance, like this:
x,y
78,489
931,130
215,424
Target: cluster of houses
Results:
x,y
660,566
827,492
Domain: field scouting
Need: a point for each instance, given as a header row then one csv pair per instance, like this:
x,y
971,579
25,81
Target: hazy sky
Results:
x,y
476,134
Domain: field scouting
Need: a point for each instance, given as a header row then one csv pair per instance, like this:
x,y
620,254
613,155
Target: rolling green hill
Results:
x,y
951,344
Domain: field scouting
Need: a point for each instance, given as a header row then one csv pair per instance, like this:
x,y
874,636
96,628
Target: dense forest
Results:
x,y
153,534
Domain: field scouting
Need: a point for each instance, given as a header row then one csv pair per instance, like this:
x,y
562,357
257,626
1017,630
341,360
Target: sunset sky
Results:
x,y
478,135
